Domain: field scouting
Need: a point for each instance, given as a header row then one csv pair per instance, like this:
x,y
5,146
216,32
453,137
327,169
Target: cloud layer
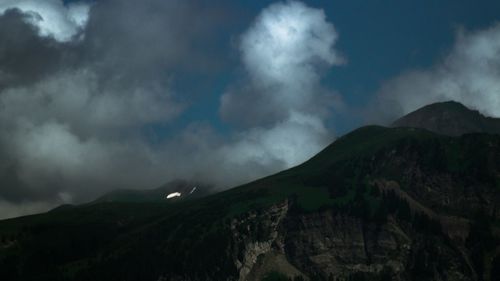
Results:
x,y
74,101
469,74
89,82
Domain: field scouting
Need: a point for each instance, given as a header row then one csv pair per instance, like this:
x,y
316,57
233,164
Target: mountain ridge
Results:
x,y
449,118
186,189
377,204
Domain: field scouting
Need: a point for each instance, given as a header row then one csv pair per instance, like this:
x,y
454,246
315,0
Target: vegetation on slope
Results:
x,y
141,241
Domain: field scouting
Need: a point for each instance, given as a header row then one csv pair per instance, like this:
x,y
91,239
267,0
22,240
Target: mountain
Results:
x,y
449,118
184,189
377,204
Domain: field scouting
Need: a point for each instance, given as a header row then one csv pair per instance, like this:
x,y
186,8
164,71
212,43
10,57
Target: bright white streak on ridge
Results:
x,y
173,194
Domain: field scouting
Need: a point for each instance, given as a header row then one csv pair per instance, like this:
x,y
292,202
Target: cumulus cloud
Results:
x,y
281,102
469,74
52,17
285,43
283,52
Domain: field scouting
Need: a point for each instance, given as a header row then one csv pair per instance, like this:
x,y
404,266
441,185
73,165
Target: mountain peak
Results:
x,y
449,118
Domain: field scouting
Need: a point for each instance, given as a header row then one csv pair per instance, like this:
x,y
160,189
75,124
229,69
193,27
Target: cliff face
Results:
x,y
329,245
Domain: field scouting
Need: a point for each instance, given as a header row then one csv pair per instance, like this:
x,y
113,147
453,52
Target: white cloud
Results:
x,y
284,52
282,102
52,17
470,74
286,42
288,143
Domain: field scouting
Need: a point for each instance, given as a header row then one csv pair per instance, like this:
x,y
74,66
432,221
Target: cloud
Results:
x,y
469,74
286,42
79,125
25,57
74,110
52,17
283,53
287,143
200,153
281,103
10,210
67,133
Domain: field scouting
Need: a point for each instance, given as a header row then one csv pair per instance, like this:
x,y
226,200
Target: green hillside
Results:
x,y
201,239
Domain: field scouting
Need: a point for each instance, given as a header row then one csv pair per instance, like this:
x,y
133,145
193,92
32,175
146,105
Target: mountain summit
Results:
x,y
449,118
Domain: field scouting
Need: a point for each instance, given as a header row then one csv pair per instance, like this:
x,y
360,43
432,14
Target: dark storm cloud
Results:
x,y
25,56
137,41
72,104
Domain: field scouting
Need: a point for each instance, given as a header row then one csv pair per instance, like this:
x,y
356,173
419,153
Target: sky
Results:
x,y
108,94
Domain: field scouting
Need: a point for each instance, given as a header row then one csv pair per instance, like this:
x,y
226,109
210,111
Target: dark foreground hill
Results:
x,y
449,118
377,204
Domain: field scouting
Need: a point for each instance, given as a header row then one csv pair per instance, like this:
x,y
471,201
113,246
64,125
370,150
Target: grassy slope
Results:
x,y
146,237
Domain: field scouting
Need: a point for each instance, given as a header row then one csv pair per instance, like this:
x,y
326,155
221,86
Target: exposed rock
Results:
x,y
259,236
336,245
